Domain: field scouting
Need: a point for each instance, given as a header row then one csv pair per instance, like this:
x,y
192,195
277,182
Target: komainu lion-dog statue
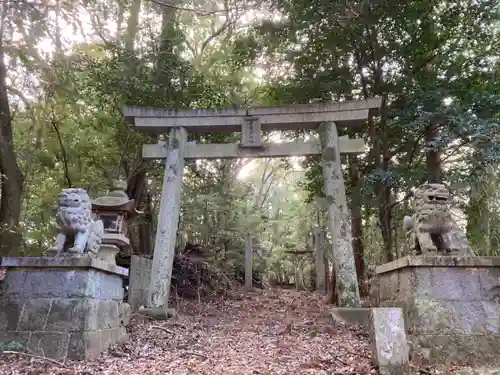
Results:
x,y
79,232
432,229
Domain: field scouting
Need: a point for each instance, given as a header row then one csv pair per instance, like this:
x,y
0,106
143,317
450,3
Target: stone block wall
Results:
x,y
62,308
451,306
140,274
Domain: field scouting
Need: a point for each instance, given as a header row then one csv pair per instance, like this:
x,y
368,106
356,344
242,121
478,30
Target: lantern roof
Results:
x,y
116,200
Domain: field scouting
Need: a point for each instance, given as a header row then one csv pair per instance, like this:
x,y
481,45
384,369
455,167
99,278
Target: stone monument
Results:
x,y
450,297
432,229
78,231
68,305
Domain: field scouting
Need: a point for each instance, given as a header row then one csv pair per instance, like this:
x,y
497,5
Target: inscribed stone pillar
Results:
x,y
248,261
250,132
338,217
168,220
319,249
139,278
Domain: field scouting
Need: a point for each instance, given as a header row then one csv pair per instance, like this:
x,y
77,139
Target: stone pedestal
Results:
x,y
451,306
62,308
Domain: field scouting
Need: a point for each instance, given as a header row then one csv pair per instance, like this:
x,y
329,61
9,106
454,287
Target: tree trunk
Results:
x,y
166,59
11,179
141,236
385,220
433,156
356,221
381,160
119,19
331,296
478,213
132,23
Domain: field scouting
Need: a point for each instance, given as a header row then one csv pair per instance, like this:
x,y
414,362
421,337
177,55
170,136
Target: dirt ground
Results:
x,y
266,332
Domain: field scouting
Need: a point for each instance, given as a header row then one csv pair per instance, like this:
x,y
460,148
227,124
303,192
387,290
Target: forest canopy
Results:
x,y
68,68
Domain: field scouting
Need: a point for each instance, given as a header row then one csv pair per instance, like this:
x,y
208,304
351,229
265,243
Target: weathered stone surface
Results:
x,y
338,217
387,335
71,262
249,262
432,228
69,315
107,252
125,313
53,283
14,340
57,283
357,316
13,284
388,338
85,345
454,317
489,281
318,237
77,224
107,286
107,315
34,314
62,312
168,220
453,283
140,275
437,261
10,311
445,303
456,349
49,344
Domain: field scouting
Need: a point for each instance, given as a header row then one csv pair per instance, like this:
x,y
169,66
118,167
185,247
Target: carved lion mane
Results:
x,y
75,210
76,224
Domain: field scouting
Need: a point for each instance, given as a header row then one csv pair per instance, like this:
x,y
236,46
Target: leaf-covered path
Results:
x,y
267,332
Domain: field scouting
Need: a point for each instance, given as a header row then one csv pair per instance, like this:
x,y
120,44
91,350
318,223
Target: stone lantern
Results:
x,y
115,210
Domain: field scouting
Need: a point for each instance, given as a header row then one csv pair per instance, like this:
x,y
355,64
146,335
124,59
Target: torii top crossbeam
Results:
x,y
290,117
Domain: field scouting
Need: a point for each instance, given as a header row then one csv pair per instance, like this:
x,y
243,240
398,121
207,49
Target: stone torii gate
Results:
x,y
250,122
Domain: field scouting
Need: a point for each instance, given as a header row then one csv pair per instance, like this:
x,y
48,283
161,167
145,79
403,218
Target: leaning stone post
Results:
x,y
338,217
248,261
168,220
319,248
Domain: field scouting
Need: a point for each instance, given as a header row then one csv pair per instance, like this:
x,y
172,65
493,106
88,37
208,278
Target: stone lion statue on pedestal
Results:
x,y
79,232
432,229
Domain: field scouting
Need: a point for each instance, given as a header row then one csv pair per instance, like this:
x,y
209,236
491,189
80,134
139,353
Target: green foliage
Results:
x,y
13,346
431,62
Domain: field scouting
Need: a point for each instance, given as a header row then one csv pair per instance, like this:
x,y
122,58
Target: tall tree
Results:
x,y
11,178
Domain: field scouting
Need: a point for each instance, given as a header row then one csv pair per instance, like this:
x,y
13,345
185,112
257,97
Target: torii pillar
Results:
x,y
168,221
338,217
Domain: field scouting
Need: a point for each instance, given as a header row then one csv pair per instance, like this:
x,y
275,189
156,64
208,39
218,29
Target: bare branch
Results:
x,y
217,32
200,12
33,356
55,126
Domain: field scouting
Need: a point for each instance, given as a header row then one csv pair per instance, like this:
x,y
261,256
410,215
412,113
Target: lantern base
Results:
x,y
107,253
